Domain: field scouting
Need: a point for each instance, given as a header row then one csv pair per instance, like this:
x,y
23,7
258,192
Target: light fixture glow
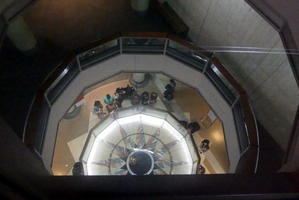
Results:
x,y
111,132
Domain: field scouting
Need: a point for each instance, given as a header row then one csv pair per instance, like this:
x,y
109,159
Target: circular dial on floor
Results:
x,y
139,141
141,154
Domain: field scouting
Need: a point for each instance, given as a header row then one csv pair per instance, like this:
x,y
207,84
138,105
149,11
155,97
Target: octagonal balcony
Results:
x,y
147,53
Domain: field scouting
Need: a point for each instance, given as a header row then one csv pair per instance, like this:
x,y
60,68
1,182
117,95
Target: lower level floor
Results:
x,y
187,105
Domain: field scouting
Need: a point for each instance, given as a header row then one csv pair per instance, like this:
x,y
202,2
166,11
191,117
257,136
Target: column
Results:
x,y
139,79
21,36
140,6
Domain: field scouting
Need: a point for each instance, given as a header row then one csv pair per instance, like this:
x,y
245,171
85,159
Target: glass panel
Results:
x,y
143,45
176,125
224,80
186,55
221,84
126,112
191,146
194,167
102,125
99,53
87,148
41,125
156,113
84,167
240,126
180,166
62,81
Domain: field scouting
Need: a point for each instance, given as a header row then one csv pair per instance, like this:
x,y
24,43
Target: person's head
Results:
x,y
172,81
201,169
108,96
206,141
133,160
97,103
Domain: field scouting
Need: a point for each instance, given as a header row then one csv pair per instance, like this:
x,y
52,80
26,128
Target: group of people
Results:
x,y
121,94
191,127
112,102
202,148
98,107
129,92
146,98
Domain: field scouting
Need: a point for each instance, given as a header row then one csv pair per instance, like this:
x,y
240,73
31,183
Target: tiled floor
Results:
x,y
188,104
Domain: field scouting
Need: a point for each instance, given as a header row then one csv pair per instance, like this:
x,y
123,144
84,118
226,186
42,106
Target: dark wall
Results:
x,y
18,165
289,11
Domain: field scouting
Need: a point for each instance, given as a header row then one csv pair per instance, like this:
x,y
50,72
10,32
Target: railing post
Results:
x,y
234,103
165,46
78,62
208,64
47,100
120,45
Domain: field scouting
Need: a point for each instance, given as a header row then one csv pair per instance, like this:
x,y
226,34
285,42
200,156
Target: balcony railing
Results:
x,y
149,43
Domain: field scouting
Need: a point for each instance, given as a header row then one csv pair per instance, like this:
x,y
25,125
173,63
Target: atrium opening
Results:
x,y
187,106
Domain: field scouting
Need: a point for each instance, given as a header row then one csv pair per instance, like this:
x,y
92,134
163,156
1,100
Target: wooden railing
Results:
x,y
248,162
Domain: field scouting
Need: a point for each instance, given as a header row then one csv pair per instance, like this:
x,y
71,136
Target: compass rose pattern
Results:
x,y
139,141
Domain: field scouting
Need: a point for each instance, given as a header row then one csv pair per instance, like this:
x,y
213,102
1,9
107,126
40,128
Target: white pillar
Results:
x,y
138,77
140,6
20,35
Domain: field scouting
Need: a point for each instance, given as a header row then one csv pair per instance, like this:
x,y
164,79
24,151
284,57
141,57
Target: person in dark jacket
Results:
x,y
193,127
169,90
204,145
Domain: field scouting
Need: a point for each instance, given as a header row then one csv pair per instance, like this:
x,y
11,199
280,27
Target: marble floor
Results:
x,y
187,105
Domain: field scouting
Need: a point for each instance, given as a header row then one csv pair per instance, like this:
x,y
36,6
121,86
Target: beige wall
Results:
x,y
267,78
